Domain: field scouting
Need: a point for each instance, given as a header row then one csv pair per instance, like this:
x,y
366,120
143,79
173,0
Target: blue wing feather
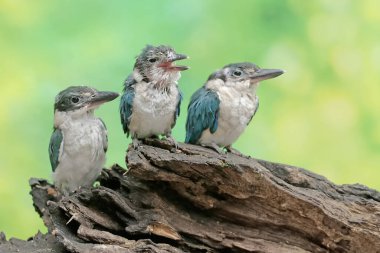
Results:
x,y
54,148
178,111
178,108
254,113
203,113
126,103
105,136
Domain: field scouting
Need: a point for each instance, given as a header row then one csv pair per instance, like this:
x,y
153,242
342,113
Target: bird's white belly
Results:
x,y
82,157
236,111
153,112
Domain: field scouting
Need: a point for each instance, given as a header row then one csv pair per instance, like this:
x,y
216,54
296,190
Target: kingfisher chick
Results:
x,y
151,99
79,142
219,111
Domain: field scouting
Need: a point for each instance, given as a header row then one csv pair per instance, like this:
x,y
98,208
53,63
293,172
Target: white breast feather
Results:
x,y
82,155
237,105
153,110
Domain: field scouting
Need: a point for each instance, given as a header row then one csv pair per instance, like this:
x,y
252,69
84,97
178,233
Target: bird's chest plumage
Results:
x,y
236,108
84,137
82,154
153,110
235,111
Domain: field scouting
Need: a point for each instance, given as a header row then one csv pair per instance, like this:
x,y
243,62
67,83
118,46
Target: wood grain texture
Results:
x,y
195,200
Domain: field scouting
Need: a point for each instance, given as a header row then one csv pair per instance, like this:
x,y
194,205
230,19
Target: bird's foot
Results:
x,y
235,152
172,141
214,147
135,143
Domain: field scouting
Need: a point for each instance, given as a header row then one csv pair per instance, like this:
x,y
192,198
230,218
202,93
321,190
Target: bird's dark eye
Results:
x,y
237,73
152,60
75,100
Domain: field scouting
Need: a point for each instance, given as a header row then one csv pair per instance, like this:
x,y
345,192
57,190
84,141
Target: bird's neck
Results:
x,y
253,88
242,87
63,118
158,79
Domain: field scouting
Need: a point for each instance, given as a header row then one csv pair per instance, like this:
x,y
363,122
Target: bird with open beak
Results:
x,y
151,99
79,142
220,111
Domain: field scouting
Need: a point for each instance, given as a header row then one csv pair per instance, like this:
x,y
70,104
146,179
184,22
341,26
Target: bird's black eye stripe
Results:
x,y
152,60
75,100
237,73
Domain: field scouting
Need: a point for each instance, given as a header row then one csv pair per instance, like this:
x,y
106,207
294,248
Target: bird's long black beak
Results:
x,y
101,97
172,66
264,74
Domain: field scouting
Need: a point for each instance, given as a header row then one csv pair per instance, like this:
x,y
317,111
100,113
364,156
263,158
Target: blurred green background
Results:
x,y
323,114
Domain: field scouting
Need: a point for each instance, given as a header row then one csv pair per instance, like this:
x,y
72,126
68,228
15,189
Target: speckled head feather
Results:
x,y
68,99
243,65
156,61
234,68
237,72
76,97
150,54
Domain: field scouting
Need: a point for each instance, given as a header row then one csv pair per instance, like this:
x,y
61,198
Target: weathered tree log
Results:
x,y
195,200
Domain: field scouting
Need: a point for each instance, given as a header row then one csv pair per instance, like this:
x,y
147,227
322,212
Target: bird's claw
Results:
x,y
135,143
215,147
231,150
172,141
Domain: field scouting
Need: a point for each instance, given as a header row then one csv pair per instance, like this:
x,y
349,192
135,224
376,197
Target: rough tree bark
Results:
x,y
195,200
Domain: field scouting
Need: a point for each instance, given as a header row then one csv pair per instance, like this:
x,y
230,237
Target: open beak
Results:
x,y
264,74
101,97
170,65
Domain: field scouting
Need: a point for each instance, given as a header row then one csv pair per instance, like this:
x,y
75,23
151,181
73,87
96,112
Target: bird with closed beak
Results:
x,y
219,112
79,142
151,99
